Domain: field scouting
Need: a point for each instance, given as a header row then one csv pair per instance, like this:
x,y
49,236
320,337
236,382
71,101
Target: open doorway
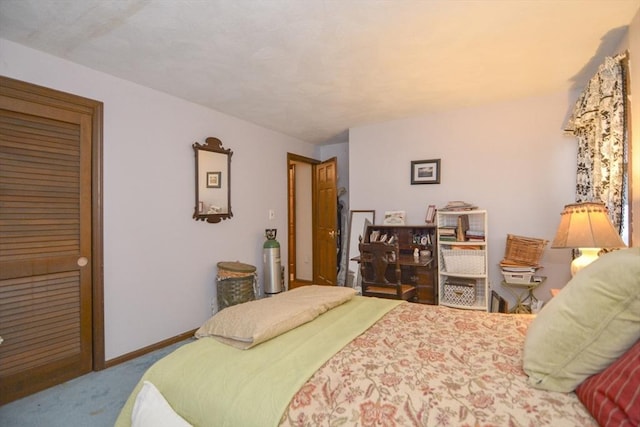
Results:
x,y
312,221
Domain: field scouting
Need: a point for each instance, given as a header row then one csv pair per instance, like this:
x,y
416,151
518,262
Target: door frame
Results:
x,y
293,281
34,93
292,220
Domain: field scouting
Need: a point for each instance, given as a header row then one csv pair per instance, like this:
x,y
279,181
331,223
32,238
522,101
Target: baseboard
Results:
x,y
149,349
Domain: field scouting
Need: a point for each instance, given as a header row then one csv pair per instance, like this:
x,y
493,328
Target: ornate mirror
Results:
x,y
213,181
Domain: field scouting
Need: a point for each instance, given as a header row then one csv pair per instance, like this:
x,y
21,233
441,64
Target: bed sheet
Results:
x,y
209,383
433,366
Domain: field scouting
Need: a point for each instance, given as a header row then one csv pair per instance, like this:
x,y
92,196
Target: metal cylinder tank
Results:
x,y
272,271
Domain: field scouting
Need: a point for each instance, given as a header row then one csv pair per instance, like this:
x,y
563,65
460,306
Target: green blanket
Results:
x,y
212,384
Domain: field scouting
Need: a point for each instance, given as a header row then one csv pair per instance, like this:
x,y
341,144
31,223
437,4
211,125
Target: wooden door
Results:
x,y
326,222
47,249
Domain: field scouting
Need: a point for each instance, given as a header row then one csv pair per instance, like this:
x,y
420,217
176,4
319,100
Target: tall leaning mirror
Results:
x,y
213,181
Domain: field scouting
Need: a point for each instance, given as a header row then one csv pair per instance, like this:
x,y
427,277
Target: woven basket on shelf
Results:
x,y
463,261
523,251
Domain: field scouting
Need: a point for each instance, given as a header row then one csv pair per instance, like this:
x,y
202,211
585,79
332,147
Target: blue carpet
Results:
x,y
92,400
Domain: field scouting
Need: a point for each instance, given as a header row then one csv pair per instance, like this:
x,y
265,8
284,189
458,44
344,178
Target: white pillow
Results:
x,y
152,410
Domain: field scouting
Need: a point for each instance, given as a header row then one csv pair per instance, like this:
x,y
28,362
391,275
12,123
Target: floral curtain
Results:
x,y
598,121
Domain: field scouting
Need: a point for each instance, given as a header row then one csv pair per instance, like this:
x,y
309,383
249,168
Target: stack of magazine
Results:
x,y
458,205
519,274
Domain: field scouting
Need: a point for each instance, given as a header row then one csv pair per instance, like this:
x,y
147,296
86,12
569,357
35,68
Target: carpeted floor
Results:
x,y
93,400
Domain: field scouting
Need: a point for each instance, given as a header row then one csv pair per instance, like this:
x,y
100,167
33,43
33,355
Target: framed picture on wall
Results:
x,y
425,171
431,214
213,179
394,218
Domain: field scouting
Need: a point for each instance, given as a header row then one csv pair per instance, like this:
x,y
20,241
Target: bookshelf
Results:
x,y
463,280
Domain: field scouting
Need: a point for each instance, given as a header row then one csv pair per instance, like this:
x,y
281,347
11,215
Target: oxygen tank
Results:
x,y
272,264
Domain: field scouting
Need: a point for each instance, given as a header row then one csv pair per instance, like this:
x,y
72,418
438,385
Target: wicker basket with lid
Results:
x,y
236,283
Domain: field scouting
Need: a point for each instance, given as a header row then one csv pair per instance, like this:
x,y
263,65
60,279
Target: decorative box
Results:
x,y
460,294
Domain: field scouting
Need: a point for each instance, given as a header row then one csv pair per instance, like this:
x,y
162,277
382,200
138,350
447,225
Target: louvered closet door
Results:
x,y
45,246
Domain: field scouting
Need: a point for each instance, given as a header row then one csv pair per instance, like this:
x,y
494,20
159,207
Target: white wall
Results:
x,y
304,222
160,264
509,158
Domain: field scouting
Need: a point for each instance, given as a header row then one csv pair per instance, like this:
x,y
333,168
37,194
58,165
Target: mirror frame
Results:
x,y
214,145
357,220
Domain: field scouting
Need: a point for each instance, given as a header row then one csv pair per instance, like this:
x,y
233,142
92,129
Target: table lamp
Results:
x,y
586,226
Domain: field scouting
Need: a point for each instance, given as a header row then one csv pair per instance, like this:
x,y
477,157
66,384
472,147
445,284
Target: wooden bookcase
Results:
x,y
420,272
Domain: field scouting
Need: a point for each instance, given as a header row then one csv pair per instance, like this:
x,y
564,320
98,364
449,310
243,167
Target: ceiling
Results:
x,y
312,69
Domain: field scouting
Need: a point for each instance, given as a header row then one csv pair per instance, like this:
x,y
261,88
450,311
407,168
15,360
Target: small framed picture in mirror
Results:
x,y
213,179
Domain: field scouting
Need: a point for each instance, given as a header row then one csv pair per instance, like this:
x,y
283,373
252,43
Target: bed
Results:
x,y
369,361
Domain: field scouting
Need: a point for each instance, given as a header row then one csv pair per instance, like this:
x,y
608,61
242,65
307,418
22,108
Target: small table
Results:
x,y
523,292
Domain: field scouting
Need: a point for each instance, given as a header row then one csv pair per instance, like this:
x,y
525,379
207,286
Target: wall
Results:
x,y
160,264
510,158
304,223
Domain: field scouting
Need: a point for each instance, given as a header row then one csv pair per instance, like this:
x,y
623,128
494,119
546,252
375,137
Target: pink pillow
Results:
x,y
613,395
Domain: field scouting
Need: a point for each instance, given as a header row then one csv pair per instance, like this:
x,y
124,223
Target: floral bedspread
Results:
x,y
433,366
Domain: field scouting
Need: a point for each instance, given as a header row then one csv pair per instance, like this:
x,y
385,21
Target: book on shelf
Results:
x,y
447,233
447,229
462,227
475,235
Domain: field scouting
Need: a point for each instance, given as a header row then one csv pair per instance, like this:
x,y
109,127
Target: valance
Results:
x,y
598,121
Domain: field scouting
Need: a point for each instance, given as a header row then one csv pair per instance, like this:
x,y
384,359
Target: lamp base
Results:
x,y
588,255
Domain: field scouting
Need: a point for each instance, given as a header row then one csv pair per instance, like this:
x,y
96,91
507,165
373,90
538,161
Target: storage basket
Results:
x,y
460,294
523,250
519,278
235,283
464,261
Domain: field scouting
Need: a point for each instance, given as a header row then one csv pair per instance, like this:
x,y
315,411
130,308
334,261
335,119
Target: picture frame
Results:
x,y
431,214
394,218
359,222
498,304
213,179
425,171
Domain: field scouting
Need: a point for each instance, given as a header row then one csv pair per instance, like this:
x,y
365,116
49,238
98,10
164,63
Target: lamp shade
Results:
x,y
586,225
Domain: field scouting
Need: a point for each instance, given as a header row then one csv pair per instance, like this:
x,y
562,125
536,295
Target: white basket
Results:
x,y
519,278
463,261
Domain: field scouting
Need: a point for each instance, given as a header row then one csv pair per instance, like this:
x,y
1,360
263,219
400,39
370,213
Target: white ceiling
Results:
x,y
314,68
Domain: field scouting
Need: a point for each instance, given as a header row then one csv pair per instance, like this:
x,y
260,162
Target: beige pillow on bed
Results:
x,y
588,325
246,325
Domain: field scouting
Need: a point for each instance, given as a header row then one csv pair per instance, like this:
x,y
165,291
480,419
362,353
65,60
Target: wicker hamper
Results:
x,y
235,283
523,251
